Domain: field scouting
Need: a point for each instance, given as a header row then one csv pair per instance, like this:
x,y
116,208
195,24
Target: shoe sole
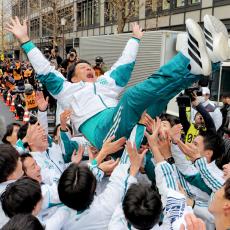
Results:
x,y
214,25
219,50
196,31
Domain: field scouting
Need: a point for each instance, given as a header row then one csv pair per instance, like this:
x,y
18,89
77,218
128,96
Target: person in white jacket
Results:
x,y
25,196
11,170
97,113
142,207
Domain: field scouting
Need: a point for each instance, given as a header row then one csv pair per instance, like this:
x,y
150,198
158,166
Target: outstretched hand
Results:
x,y
41,101
136,159
190,150
137,31
20,31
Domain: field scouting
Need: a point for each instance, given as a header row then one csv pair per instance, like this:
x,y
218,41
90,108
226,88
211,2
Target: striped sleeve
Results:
x,y
165,180
208,176
97,172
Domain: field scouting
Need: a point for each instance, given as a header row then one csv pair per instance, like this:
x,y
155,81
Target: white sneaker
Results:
x,y
216,36
181,40
195,49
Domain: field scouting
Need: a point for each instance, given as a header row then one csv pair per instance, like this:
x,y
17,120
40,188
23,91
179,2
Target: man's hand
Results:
x,y
164,145
147,121
189,150
175,133
193,223
195,101
41,101
153,140
137,31
77,157
136,159
108,166
110,146
20,31
64,118
35,134
226,169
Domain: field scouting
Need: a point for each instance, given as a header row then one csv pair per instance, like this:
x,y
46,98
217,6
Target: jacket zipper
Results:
x,y
53,162
95,91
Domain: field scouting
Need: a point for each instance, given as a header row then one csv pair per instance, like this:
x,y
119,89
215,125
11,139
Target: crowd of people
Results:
x,y
116,164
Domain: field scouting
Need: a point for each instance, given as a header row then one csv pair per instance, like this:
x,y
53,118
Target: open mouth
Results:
x,y
90,75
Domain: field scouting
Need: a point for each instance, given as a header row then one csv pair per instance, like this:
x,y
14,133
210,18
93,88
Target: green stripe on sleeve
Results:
x,y
28,46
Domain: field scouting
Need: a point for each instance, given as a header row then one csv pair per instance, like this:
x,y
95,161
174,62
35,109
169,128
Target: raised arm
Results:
x,y
121,71
52,79
209,123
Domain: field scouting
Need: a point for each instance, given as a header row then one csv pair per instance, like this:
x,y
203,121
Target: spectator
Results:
x,y
211,108
225,128
100,67
55,58
10,137
202,122
72,57
11,170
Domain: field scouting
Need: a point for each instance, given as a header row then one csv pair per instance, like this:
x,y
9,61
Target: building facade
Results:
x,y
94,17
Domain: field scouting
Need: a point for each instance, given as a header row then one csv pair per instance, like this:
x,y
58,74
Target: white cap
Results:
x,y
205,90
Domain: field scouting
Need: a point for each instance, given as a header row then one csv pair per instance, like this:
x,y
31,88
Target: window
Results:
x,y
154,7
180,3
15,10
66,13
34,28
23,8
47,24
166,5
88,13
194,1
34,6
45,3
110,12
224,87
129,10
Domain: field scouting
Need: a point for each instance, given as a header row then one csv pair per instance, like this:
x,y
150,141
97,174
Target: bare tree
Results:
x,y
5,14
121,11
156,8
48,13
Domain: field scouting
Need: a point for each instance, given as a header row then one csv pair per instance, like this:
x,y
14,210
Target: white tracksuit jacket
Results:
x,y
84,98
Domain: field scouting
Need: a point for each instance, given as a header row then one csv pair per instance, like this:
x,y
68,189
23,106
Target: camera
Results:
x,y
184,100
72,55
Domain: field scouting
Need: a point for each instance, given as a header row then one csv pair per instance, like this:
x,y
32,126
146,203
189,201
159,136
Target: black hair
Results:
x,y
225,157
73,50
173,120
23,222
72,68
8,161
213,141
9,131
21,196
76,187
57,126
23,157
226,94
142,206
227,189
23,129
